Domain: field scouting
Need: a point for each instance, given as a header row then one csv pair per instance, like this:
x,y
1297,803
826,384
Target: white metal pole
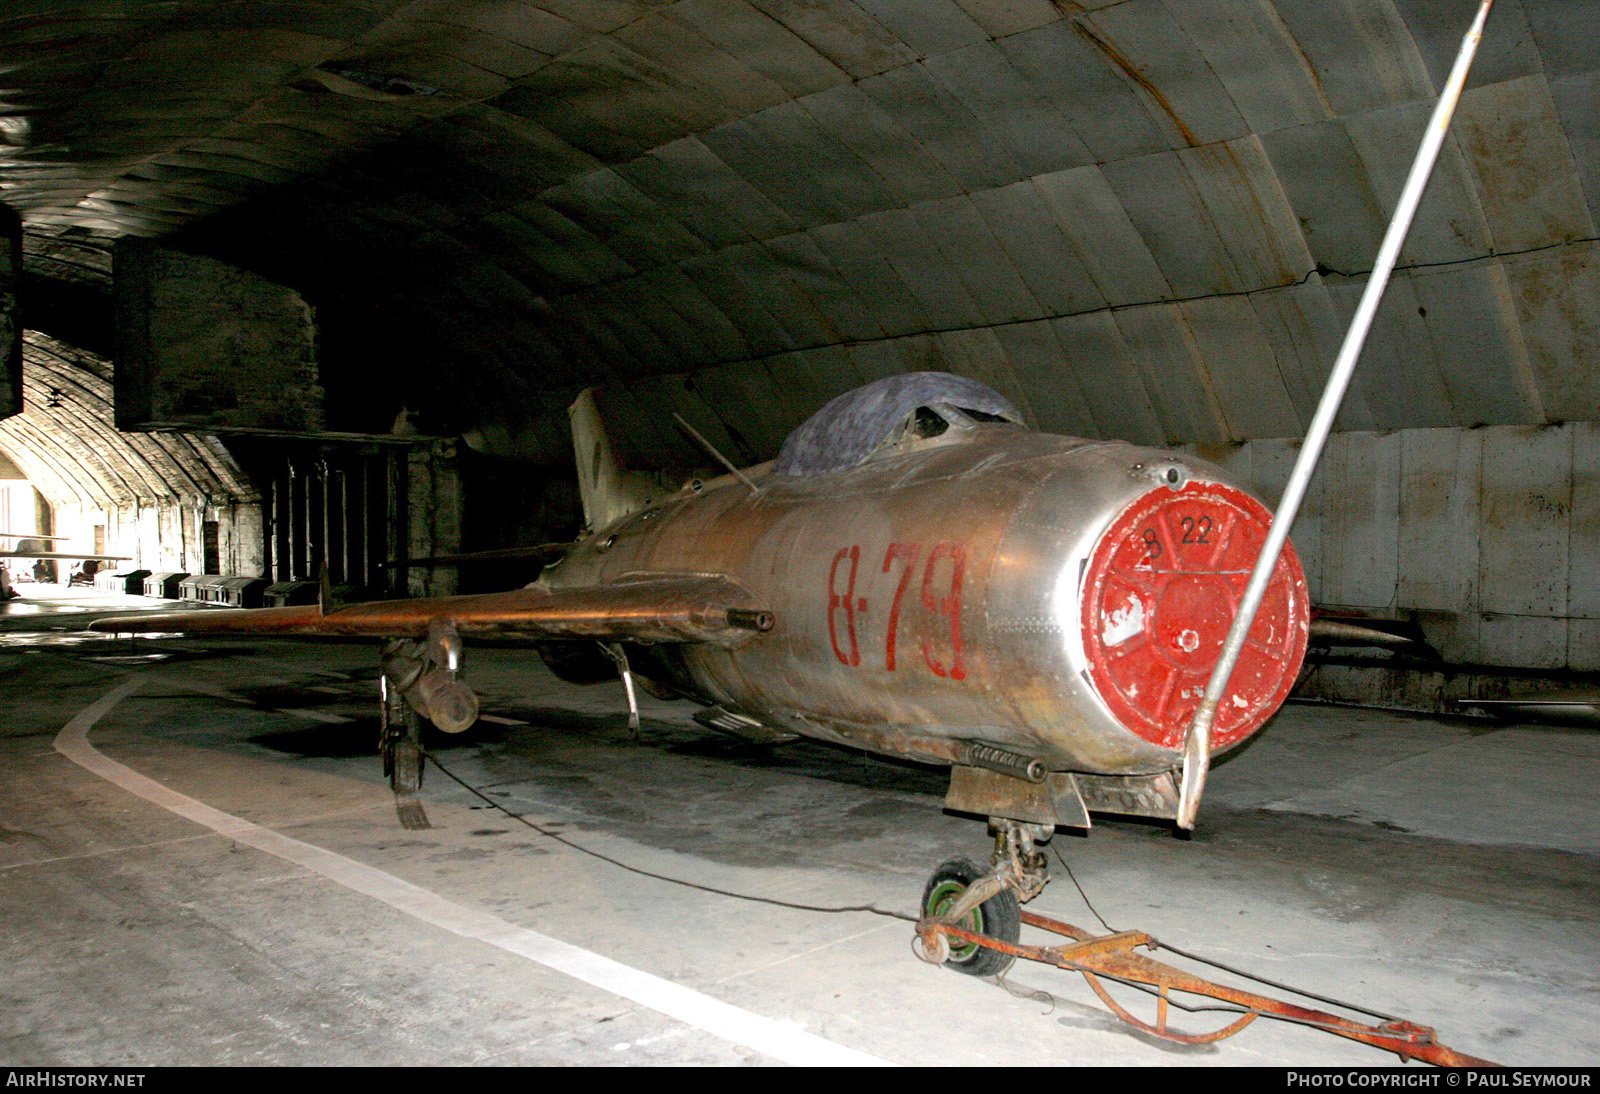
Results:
x,y
1197,742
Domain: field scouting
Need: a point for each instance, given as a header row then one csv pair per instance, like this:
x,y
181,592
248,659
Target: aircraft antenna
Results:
x,y
711,448
1197,740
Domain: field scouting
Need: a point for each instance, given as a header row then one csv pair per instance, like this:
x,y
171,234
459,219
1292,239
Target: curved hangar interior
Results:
x,y
602,531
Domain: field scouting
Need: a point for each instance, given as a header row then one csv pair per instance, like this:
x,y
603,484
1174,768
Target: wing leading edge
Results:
x,y
708,609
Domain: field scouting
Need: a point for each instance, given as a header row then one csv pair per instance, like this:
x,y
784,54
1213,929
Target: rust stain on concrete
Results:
x,y
1131,70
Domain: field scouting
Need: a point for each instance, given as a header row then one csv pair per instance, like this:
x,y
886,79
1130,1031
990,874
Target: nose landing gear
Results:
x,y
984,902
972,922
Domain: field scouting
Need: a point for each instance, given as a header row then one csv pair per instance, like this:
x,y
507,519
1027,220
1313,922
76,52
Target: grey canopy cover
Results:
x,y
846,430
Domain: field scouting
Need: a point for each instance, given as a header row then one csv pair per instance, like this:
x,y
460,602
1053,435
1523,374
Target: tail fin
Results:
x,y
608,491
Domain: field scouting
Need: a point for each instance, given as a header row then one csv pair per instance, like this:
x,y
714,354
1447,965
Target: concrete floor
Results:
x,y
1443,871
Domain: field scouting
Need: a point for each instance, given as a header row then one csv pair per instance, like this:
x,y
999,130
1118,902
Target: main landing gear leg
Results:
x,y
400,741
986,902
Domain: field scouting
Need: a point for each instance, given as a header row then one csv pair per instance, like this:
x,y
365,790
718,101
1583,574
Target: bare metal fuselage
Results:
x,y
935,597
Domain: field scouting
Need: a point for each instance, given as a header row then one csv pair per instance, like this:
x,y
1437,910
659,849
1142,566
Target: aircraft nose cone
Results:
x,y
1192,615
1159,594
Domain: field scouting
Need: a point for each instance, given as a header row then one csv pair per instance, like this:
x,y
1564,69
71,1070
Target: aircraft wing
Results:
x,y
698,608
66,558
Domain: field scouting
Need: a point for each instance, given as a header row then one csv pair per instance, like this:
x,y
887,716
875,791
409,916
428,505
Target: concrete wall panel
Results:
x,y
1091,216
1565,34
880,289
1577,100
879,140
939,292
1525,527
1166,356
1305,333
1112,384
1360,520
798,321
1142,37
1036,134
959,140
1508,49
1557,299
1161,201
1440,488
840,31
971,250
1523,640
1240,367
1361,50
1449,224
1477,340
1583,550
805,264
1251,51
1112,118
1321,172
1397,374
705,195
1046,379
1240,190
927,26
1527,181
760,42
1041,253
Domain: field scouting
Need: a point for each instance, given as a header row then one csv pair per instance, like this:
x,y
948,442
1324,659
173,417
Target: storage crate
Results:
x,y
242,592
127,583
284,594
164,585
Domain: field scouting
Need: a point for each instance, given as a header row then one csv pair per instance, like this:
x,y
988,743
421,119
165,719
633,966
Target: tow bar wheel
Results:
x,y
999,917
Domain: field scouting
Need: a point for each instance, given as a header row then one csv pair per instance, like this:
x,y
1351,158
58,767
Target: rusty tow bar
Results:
x,y
1112,957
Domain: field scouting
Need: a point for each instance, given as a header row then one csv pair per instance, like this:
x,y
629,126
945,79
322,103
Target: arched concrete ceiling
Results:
x,y
66,443
1141,219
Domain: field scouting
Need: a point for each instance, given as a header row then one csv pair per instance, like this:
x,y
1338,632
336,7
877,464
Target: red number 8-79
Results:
x,y
848,560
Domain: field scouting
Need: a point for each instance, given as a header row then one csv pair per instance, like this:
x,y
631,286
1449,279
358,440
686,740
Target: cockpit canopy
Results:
x,y
848,430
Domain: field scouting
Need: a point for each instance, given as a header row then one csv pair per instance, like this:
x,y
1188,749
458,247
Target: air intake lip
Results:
x,y
1159,593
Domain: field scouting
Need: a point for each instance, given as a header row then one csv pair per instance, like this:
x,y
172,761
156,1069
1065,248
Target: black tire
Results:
x,y
406,760
999,917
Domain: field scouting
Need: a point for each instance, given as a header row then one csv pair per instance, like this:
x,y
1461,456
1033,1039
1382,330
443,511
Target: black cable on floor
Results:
x,y
870,909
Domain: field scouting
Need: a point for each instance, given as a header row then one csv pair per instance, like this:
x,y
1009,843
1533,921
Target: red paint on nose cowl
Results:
x,y
1159,594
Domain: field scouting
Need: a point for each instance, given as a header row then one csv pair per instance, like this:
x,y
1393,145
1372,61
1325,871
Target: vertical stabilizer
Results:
x,y
608,491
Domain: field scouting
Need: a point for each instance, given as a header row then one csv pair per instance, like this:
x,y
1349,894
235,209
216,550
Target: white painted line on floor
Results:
x,y
500,720
780,1040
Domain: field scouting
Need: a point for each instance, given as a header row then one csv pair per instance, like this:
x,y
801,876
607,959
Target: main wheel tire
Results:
x,y
999,917
406,762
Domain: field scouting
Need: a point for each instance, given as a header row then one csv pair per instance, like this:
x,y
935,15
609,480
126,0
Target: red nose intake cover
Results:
x,y
1160,592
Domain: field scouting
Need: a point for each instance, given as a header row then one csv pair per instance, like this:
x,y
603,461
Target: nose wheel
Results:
x,y
982,901
999,917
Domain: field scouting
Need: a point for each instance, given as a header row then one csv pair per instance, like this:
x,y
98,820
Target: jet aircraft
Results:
x,y
917,573
24,549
